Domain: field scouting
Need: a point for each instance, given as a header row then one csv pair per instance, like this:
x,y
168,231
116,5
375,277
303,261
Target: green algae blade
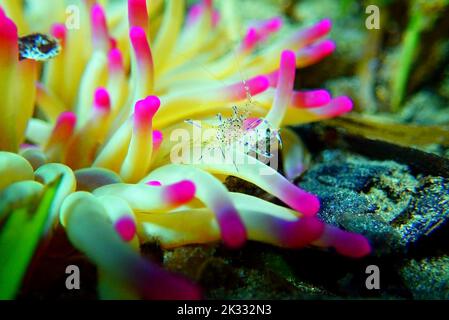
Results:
x,y
19,238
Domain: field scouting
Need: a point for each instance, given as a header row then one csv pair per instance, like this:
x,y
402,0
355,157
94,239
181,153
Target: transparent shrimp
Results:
x,y
239,132
253,136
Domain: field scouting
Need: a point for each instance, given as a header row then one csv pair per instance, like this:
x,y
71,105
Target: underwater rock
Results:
x,y
379,199
188,260
427,278
425,108
259,271
443,89
265,284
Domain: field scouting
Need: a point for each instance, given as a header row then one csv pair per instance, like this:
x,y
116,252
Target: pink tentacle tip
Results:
x,y
64,127
327,47
102,100
126,228
141,46
59,31
137,35
194,13
344,104
251,39
154,183
67,118
115,59
288,61
145,109
180,192
98,16
306,203
311,99
258,84
314,53
303,231
336,107
273,24
233,231
352,245
99,19
8,31
324,26
237,91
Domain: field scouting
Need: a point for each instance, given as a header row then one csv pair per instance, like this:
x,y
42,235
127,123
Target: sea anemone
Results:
x,y
107,115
